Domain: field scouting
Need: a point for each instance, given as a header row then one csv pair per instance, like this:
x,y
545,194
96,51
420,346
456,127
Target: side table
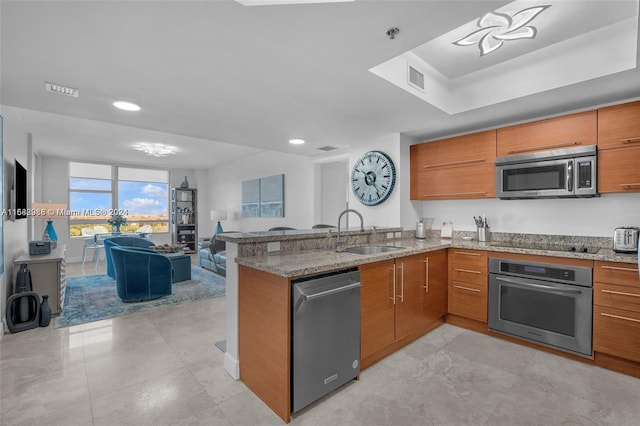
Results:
x,y
48,274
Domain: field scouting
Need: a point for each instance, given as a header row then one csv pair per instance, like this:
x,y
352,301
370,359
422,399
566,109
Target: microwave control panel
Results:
x,y
585,173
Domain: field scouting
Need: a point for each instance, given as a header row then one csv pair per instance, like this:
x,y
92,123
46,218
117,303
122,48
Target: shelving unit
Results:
x,y
184,223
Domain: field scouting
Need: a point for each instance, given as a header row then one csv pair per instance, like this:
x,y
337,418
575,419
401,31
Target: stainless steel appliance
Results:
x,y
325,334
569,172
625,239
544,303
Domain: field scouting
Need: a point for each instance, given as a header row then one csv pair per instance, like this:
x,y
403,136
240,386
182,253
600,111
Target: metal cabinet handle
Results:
x,y
621,293
455,163
630,185
630,140
466,253
394,284
332,291
467,288
455,193
619,317
426,275
540,147
402,282
467,270
618,268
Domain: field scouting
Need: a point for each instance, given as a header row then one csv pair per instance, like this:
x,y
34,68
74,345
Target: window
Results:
x,y
98,191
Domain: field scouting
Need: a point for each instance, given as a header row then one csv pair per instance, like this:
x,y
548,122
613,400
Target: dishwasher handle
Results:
x,y
308,298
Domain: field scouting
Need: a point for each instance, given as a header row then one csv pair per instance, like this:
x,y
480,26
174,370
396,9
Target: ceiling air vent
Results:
x,y
61,90
416,78
327,148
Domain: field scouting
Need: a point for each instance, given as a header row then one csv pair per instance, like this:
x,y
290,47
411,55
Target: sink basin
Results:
x,y
371,249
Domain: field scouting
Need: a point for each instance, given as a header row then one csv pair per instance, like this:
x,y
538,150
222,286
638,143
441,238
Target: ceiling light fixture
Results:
x,y
61,90
155,149
296,141
126,106
496,28
392,32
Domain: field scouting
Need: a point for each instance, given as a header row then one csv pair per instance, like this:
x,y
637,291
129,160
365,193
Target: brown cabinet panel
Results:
x,y
409,282
468,257
468,300
619,170
474,148
616,332
619,126
377,309
616,273
434,304
468,273
553,133
616,296
464,182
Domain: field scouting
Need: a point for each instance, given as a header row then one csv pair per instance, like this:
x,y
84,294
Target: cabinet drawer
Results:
x,y
554,133
468,300
616,332
616,296
618,170
618,126
468,257
468,273
616,273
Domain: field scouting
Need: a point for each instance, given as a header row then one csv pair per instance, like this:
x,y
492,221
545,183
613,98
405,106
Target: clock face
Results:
x,y
373,178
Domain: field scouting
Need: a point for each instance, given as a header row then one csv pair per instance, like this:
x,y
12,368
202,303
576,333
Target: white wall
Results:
x,y
17,143
224,190
596,217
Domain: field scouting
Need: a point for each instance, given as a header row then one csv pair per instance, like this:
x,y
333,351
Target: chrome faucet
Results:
x,y
340,217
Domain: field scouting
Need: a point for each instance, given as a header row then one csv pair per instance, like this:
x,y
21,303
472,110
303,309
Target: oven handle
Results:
x,y
570,176
545,287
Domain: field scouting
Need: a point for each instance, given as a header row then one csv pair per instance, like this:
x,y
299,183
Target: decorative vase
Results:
x,y
185,183
115,229
45,311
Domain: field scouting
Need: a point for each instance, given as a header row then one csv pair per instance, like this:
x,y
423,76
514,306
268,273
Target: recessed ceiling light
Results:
x,y
126,106
155,149
296,141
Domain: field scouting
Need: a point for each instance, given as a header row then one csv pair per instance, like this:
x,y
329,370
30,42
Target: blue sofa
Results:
x,y
141,274
212,255
123,242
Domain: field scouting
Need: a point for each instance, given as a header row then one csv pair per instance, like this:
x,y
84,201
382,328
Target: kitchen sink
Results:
x,y
370,249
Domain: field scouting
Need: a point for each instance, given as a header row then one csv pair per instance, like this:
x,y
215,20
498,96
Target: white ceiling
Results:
x,y
222,81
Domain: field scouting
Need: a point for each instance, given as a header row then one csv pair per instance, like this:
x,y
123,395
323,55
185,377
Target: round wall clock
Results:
x,y
373,178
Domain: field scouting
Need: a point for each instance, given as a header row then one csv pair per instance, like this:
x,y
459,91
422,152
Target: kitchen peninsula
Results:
x,y
266,263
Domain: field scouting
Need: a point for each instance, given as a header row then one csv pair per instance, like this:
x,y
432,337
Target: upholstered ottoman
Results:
x,y
181,266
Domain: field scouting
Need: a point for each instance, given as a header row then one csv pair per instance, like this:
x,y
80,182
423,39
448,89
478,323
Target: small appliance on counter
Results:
x,y
625,239
423,226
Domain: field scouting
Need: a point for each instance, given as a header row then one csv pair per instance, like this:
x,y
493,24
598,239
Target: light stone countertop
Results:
x,y
305,262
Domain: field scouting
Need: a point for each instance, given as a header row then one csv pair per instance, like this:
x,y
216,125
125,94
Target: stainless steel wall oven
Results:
x,y
544,303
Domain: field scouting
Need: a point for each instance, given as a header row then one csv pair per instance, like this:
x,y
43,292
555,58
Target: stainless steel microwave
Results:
x,y
570,172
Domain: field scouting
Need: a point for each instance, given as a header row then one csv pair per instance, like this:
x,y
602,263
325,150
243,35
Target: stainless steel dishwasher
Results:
x,y
325,334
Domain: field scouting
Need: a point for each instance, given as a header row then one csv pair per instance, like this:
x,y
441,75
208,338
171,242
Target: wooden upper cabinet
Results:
x,y
455,168
554,133
619,170
619,126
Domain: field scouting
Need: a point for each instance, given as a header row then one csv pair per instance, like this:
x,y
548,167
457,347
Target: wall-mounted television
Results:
x,y
20,191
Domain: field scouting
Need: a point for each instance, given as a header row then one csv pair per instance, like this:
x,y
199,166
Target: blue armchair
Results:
x,y
141,274
123,242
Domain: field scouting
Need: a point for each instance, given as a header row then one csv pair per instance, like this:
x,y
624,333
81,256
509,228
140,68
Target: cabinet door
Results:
x,y
616,332
377,310
468,300
618,170
554,133
475,148
464,182
410,280
619,126
434,304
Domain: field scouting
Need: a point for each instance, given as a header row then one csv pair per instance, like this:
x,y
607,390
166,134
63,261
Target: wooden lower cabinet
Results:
x,y
468,284
401,299
616,310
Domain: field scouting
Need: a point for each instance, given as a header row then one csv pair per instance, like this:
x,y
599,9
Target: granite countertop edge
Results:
x,y
306,262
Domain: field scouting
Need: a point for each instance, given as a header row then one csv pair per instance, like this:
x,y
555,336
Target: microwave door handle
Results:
x,y
570,176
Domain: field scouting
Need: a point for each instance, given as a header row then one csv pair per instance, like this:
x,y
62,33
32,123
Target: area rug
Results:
x,y
94,297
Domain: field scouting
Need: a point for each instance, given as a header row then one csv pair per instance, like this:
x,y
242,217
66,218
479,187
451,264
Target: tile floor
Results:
x,y
162,368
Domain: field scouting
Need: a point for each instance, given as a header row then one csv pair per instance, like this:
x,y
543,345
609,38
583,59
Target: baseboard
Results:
x,y
232,366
